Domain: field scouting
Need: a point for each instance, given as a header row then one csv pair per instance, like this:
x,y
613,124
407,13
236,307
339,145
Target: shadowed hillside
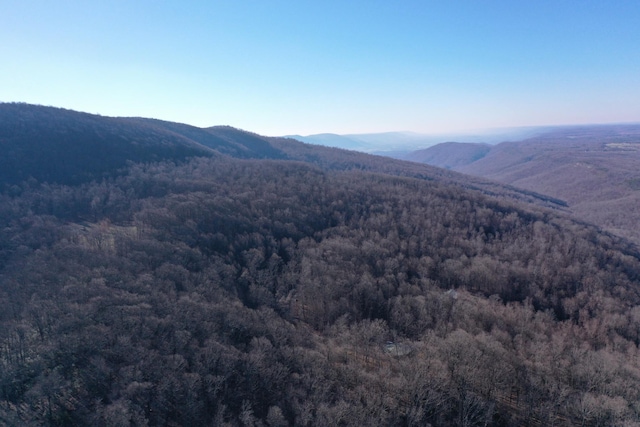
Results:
x,y
64,146
224,139
57,145
255,146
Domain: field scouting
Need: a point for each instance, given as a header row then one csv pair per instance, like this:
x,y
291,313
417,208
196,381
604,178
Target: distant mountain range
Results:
x,y
399,144
595,169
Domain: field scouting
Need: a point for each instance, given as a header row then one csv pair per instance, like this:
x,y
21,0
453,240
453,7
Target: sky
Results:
x,y
281,67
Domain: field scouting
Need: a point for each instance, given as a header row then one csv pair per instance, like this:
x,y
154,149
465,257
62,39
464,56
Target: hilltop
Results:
x,y
68,147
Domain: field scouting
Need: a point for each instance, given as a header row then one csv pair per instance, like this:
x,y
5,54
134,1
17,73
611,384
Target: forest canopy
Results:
x,y
270,292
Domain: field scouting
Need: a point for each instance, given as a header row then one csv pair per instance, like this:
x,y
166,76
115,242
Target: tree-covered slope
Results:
x,y
224,139
46,144
594,169
450,155
246,292
330,288
64,146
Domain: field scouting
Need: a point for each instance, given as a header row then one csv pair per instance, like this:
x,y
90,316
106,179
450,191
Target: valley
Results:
x,y
593,169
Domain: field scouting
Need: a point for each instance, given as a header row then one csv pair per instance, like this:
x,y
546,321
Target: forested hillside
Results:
x,y
67,147
594,169
331,291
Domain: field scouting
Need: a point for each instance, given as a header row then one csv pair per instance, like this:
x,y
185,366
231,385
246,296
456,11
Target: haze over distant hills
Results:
x,y
398,144
595,169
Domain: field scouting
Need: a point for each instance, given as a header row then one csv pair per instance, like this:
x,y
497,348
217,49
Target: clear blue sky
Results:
x,y
303,66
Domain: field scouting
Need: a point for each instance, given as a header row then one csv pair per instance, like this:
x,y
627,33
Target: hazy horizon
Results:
x,y
284,67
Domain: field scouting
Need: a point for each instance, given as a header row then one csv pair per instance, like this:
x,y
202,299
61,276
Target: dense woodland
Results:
x,y
219,291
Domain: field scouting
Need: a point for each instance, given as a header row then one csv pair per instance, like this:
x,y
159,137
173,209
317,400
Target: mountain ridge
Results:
x,y
401,143
95,147
65,146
